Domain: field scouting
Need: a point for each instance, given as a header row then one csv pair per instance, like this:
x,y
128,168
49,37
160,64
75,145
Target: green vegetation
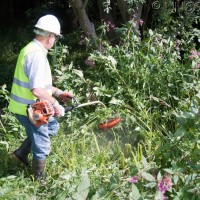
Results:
x,y
153,85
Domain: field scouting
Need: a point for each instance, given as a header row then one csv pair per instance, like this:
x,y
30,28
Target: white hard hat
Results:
x,y
49,23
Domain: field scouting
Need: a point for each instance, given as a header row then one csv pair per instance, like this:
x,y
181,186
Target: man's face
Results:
x,y
52,39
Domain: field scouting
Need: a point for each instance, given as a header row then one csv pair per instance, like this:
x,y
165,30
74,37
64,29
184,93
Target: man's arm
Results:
x,y
42,94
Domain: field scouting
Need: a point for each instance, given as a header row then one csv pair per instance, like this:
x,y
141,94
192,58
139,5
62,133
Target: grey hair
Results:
x,y
41,32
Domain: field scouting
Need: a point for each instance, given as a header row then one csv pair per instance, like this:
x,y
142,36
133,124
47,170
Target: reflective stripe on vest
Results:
x,y
21,83
22,100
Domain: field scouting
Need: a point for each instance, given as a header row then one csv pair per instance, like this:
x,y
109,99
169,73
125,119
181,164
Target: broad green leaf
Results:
x,y
188,115
11,177
112,60
135,194
150,32
62,195
78,72
198,95
99,193
70,66
138,128
158,196
168,170
66,176
115,101
80,195
176,179
159,176
175,98
4,87
5,190
151,185
180,132
144,162
59,72
147,176
171,43
85,183
132,119
82,189
114,182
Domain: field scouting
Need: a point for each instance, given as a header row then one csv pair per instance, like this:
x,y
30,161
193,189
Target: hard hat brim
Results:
x,y
58,34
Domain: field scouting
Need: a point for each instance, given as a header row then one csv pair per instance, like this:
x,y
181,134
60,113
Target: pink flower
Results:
x,y
162,187
198,65
141,22
133,179
168,182
194,54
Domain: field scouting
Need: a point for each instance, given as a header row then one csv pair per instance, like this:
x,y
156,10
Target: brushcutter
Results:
x,y
40,112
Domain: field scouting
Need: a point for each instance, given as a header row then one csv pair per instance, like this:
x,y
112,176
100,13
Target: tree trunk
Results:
x,y
123,9
80,12
86,25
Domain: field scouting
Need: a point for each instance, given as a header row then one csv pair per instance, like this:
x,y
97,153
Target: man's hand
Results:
x,y
58,109
64,96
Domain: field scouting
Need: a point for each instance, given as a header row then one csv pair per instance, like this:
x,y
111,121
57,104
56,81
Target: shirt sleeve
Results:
x,y
34,69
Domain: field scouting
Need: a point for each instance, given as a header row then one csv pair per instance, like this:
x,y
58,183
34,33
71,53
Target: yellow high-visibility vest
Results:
x,y
21,95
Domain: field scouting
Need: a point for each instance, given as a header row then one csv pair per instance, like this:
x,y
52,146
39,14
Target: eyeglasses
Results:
x,y
55,36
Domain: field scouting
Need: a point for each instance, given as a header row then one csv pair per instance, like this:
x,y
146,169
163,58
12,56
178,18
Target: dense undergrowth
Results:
x,y
153,85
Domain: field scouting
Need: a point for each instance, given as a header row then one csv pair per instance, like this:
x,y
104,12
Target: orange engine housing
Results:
x,y
42,111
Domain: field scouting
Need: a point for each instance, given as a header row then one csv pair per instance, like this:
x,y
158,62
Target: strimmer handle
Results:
x,y
67,109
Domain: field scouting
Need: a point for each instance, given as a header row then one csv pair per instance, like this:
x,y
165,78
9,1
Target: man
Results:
x,y
33,80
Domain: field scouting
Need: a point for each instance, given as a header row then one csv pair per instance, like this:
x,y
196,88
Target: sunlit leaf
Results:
x,y
115,101
82,189
150,185
168,170
180,132
150,32
135,194
4,190
113,61
147,176
78,72
144,162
